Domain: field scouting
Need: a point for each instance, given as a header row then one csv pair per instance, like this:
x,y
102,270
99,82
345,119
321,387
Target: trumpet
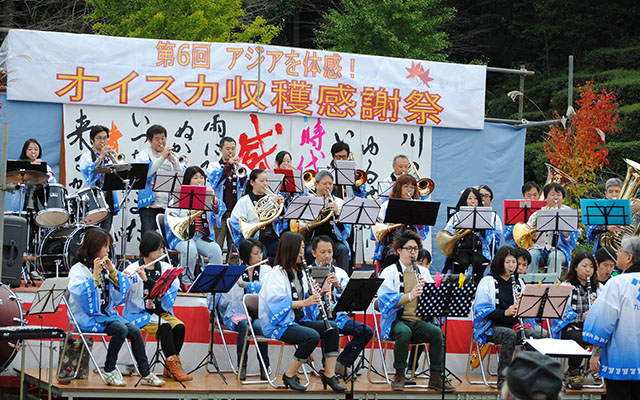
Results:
x,y
312,288
239,170
182,160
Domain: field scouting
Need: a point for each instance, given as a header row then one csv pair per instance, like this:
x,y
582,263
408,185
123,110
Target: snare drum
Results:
x,y
51,205
95,206
11,314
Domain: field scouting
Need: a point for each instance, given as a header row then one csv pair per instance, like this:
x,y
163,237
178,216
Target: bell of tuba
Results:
x,y
524,234
447,242
555,175
425,185
180,225
381,230
267,210
628,191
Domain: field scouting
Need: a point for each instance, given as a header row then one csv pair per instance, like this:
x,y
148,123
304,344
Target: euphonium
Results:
x,y
425,185
524,234
555,175
309,177
303,227
180,225
447,242
267,210
628,190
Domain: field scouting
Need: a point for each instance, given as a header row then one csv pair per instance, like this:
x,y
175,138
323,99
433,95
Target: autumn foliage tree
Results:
x,y
578,146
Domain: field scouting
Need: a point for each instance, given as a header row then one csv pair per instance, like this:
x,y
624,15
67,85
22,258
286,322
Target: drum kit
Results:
x,y
56,221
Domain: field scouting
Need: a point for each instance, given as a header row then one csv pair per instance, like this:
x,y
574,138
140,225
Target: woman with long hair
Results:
x,y
288,311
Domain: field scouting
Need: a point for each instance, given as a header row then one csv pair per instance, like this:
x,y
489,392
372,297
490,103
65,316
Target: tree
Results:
x,y
578,146
394,28
194,20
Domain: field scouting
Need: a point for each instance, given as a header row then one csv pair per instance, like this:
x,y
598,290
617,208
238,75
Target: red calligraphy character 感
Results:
x,y
252,151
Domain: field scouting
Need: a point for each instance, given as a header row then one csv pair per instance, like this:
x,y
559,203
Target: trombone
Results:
x,y
425,185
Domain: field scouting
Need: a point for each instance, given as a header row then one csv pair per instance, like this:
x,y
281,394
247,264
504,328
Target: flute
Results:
x,y
266,260
142,267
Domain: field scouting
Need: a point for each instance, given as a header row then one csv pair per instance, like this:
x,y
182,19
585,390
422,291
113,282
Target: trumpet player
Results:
x,y
552,250
398,301
160,157
336,282
228,177
340,151
100,155
288,311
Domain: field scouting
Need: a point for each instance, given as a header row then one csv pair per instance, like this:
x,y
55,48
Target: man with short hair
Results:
x,y
530,191
400,165
613,326
532,376
605,263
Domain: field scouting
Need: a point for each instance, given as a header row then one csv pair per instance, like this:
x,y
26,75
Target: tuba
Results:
x,y
628,190
524,234
447,242
380,230
303,227
267,210
180,225
555,175
425,185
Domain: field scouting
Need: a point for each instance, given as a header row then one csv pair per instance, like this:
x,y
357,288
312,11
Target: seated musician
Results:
x,y
400,167
335,230
288,311
99,155
494,308
230,303
582,277
145,314
486,198
530,191
524,259
255,189
403,188
398,300
605,264
551,250
96,288
475,248
322,250
283,160
203,239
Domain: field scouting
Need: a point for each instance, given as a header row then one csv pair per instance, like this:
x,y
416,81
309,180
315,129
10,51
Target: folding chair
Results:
x,y
484,370
250,305
233,250
383,345
224,330
73,330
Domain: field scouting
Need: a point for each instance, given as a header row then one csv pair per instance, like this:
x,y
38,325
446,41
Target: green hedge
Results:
x,y
607,58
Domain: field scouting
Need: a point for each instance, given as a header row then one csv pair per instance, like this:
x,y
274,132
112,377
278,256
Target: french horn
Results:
x,y
267,210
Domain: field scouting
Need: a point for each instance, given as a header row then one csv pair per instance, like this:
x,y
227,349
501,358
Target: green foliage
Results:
x,y
611,58
193,20
394,28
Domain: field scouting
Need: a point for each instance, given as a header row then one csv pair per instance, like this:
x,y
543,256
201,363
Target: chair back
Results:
x,y
375,305
251,302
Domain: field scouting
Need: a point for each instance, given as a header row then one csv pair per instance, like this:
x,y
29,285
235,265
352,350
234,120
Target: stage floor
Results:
x,y
211,386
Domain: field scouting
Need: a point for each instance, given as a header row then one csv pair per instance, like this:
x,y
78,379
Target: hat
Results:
x,y
532,372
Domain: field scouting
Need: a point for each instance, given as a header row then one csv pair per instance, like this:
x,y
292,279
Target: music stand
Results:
x,y
159,289
359,211
292,181
412,212
215,279
557,220
344,172
446,300
168,182
606,211
356,297
384,188
544,301
125,177
520,210
306,208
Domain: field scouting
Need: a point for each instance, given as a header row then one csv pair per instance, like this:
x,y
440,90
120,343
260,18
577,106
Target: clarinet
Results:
x,y
514,290
589,292
327,326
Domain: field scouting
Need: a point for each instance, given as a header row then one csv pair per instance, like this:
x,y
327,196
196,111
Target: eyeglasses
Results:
x,y
485,196
411,248
101,137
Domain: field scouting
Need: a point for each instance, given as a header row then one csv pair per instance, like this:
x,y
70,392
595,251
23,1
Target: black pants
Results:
x,y
307,335
622,390
468,257
119,332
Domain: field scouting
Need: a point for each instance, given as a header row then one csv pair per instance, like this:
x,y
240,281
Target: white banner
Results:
x,y
260,137
146,73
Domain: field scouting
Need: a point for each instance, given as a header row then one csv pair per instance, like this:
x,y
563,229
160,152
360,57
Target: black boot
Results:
x,y
332,382
293,383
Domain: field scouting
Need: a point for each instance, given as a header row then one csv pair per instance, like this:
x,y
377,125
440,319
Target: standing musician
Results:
x,y
288,309
160,157
96,288
495,307
340,151
400,167
581,276
283,160
486,198
398,301
337,280
100,155
403,188
230,304
203,240
146,314
254,190
227,177
530,191
475,248
337,232
546,247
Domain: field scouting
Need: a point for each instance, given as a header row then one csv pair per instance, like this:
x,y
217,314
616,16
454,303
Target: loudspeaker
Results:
x,y
13,247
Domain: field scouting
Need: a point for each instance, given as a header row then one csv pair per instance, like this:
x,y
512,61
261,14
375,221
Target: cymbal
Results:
x,y
28,177
112,168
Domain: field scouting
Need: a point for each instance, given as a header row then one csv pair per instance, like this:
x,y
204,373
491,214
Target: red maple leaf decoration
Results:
x,y
425,78
414,70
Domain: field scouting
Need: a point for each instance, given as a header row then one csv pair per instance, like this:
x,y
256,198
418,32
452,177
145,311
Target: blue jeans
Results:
x,y
307,335
189,251
241,328
119,332
554,259
361,335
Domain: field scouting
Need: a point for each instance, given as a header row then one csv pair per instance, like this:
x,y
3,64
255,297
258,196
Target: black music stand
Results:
x,y
168,182
159,289
412,212
557,220
125,177
475,218
544,301
359,211
520,210
357,297
215,279
606,211
444,300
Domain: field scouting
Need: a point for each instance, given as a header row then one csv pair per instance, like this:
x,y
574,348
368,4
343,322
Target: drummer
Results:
x,y
100,155
31,151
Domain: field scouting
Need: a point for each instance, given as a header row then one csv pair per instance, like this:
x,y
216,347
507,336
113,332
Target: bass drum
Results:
x,y
11,314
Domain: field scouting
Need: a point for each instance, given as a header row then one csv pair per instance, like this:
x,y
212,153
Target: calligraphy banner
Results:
x,y
262,79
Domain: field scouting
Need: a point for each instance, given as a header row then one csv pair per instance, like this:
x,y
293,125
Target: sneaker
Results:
x,y
112,378
152,380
